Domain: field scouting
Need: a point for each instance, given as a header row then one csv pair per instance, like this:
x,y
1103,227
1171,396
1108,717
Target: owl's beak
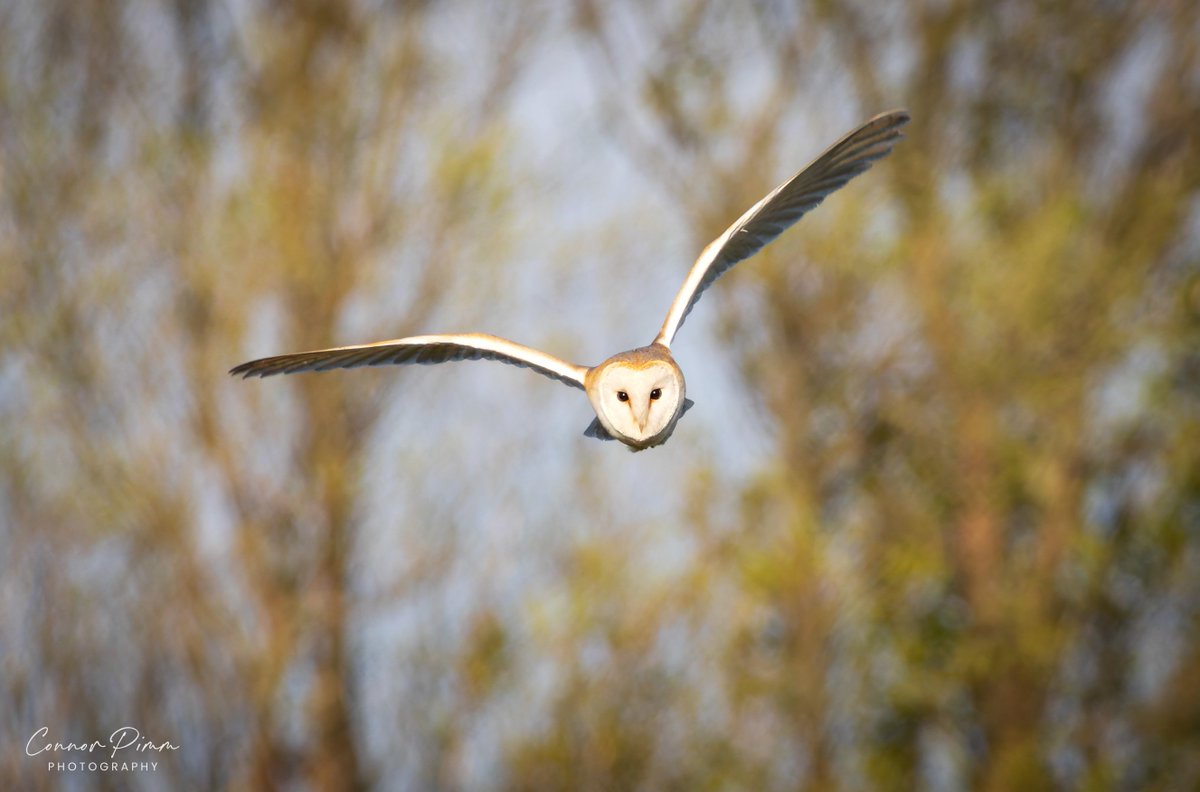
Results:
x,y
641,415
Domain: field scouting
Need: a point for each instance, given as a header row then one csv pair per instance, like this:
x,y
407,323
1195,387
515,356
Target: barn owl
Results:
x,y
638,395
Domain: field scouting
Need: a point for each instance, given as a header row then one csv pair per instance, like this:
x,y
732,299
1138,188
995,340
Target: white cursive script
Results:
x,y
124,738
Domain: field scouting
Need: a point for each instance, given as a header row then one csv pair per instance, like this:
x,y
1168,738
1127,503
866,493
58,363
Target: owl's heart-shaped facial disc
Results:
x,y
638,396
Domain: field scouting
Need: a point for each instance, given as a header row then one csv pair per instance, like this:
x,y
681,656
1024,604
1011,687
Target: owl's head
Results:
x,y
637,395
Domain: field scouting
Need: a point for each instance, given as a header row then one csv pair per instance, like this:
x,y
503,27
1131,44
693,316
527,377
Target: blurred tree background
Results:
x,y
934,522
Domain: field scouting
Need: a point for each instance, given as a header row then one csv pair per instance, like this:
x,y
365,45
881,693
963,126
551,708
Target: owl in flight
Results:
x,y
638,395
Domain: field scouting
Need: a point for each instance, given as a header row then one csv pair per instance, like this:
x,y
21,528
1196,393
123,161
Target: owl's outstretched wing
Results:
x,y
418,349
786,204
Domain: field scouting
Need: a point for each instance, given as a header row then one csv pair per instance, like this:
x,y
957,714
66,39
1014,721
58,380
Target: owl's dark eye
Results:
x,y
622,396
656,393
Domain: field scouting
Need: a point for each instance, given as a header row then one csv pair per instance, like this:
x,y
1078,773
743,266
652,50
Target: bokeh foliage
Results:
x,y
964,554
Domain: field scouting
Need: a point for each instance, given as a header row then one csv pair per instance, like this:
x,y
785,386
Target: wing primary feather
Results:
x,y
379,357
783,206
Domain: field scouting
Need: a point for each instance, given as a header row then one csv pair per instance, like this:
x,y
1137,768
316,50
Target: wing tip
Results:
x,y
887,125
254,368
898,116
